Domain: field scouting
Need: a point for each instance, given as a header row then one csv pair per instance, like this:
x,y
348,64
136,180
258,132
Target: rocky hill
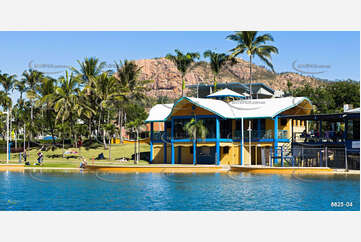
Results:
x,y
167,79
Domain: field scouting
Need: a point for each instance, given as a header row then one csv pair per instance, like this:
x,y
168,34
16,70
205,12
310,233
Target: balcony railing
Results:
x,y
324,137
255,135
261,134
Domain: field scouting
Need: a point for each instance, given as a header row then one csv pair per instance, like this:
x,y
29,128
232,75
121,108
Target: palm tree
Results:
x,y
217,61
183,62
111,130
129,88
134,126
32,78
104,86
66,100
5,100
20,86
196,128
89,69
46,96
7,81
253,45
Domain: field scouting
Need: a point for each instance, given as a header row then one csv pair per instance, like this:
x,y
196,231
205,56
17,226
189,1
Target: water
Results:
x,y
156,191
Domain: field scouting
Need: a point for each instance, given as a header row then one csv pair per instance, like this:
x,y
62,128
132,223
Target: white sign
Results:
x,y
355,144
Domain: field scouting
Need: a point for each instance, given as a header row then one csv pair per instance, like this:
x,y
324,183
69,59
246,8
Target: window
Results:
x,y
191,150
225,150
168,125
353,131
210,123
226,128
283,121
179,132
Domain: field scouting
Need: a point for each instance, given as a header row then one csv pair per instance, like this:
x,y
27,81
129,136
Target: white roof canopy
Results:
x,y
225,92
355,110
254,108
263,91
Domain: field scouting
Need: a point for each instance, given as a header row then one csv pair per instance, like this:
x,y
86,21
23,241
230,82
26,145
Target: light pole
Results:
x,y
7,136
249,141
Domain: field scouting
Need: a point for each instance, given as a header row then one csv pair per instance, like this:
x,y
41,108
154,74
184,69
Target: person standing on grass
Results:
x,y
40,158
80,143
24,155
83,163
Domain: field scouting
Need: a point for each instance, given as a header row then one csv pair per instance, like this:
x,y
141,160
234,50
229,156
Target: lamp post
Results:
x,y
7,136
249,141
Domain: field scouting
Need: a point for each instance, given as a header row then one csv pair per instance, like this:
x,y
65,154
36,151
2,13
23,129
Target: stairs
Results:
x,y
287,153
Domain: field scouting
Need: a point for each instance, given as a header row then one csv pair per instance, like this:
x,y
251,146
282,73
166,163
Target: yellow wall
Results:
x,y
232,158
269,124
187,156
158,153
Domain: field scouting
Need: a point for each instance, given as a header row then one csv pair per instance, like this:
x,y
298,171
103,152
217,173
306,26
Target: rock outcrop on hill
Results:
x,y
167,79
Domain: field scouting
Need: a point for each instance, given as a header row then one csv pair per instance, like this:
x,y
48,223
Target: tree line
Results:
x,y
88,101
331,96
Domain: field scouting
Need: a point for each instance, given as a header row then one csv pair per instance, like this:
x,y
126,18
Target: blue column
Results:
x,y
275,138
165,144
194,152
9,150
242,141
218,135
258,128
172,143
151,143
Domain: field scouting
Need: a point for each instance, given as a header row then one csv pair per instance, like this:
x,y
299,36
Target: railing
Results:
x,y
324,137
282,134
261,134
160,135
255,135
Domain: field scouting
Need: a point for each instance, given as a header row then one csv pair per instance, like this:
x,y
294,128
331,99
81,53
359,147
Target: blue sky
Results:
x,y
338,51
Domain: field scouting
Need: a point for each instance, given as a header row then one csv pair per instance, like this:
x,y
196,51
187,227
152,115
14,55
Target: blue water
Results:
x,y
158,191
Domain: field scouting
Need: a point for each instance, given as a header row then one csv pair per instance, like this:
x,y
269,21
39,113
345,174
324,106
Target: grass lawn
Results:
x,y
55,158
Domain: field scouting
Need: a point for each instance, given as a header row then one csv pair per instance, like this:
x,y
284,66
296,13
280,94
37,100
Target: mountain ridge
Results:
x,y
167,79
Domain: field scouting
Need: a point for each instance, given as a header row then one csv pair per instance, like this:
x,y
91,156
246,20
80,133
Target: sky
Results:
x,y
333,55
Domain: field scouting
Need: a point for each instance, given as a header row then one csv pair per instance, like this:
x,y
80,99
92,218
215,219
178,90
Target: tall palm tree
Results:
x,y
134,126
7,82
129,88
66,100
183,62
252,44
89,68
104,86
217,61
46,96
20,86
196,128
111,130
5,100
32,78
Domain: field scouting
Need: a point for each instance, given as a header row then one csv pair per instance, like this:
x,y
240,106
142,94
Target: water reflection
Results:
x,y
175,191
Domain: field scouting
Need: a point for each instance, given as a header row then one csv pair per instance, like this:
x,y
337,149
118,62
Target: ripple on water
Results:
x,y
154,191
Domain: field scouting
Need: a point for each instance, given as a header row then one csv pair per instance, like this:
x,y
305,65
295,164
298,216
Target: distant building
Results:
x,y
259,90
